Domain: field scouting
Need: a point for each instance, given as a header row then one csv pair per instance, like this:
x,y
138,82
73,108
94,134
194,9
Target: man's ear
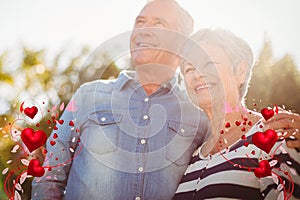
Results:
x,y
241,71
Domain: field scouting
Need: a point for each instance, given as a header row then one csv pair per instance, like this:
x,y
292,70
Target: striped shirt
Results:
x,y
229,173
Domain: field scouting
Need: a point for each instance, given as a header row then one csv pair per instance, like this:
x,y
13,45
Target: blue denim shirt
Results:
x,y
127,145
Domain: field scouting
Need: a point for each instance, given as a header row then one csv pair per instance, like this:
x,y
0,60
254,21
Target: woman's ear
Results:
x,y
241,71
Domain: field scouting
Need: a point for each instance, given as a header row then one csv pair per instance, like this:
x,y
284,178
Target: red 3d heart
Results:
x,y
263,169
32,139
35,169
265,140
31,112
267,113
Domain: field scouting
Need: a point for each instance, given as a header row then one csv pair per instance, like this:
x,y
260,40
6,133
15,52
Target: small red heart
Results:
x,y
71,123
237,123
32,139
35,169
263,169
52,143
61,121
55,136
31,112
267,113
227,125
265,140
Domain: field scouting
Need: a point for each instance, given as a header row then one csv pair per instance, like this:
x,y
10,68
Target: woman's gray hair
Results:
x,y
236,48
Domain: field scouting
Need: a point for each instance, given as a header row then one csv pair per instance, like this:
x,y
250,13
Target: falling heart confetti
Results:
x,y
263,169
71,123
35,168
31,112
265,140
227,125
267,113
237,123
33,140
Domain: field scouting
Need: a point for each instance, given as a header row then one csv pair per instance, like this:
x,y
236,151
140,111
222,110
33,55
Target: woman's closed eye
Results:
x,y
189,70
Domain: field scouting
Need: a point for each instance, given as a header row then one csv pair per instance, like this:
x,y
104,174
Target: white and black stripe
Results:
x,y
217,178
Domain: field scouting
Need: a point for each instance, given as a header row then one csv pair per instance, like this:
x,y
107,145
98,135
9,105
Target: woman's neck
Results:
x,y
229,125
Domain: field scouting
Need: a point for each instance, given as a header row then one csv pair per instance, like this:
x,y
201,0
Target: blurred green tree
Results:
x,y
274,82
56,82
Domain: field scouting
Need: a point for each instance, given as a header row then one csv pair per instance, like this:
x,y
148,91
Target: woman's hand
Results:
x,y
288,124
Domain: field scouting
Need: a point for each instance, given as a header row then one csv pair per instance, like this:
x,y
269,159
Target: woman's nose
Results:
x,y
198,74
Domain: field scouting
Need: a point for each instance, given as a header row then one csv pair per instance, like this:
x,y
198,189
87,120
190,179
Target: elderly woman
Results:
x,y
236,161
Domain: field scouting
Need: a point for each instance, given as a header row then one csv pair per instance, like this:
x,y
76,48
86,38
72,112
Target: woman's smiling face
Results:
x,y
211,78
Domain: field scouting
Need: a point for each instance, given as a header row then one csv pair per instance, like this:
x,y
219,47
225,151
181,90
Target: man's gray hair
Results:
x,y
236,48
185,20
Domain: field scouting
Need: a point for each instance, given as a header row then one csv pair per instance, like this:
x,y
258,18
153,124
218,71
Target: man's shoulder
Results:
x,y
105,86
98,86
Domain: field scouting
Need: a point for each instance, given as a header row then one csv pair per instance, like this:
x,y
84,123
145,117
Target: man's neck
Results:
x,y
150,88
152,77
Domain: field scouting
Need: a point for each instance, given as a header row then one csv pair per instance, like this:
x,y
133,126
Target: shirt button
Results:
x,y
137,198
141,169
103,119
143,141
182,130
145,117
146,99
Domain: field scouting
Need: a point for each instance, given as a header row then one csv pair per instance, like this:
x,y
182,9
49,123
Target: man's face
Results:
x,y
153,37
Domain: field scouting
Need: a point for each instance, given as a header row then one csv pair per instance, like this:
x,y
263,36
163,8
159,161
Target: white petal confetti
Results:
x,y
9,161
273,163
294,133
5,171
72,150
18,187
280,187
17,196
25,162
289,162
15,148
23,178
73,139
292,137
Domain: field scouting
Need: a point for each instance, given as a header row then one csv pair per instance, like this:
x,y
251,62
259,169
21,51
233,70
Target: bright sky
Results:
x,y
55,24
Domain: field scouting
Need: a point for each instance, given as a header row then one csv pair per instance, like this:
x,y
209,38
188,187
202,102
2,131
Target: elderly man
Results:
x,y
133,136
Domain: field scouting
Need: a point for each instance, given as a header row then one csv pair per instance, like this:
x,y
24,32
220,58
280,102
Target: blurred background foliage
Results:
x,y
273,82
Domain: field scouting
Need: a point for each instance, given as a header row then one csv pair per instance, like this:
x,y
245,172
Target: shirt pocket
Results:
x,y
100,133
180,142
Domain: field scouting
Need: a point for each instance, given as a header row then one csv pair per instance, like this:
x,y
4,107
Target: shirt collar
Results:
x,y
127,76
